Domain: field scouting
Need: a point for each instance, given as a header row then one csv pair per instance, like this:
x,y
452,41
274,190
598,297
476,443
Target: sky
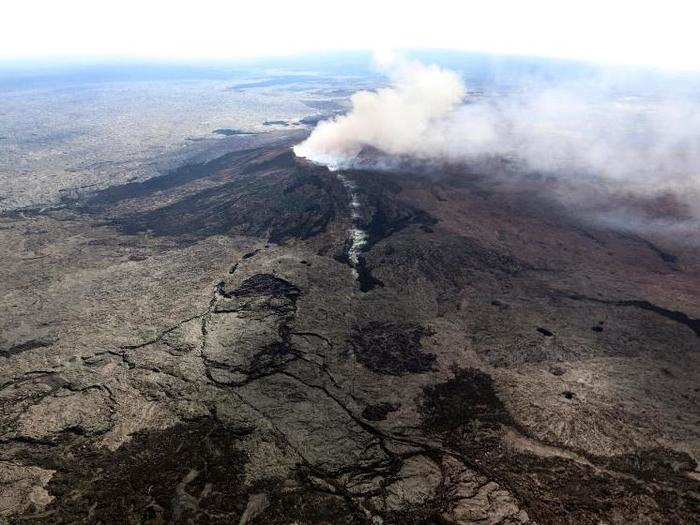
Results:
x,y
651,33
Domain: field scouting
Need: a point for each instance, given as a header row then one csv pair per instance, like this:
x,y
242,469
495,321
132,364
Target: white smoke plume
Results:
x,y
395,120
581,133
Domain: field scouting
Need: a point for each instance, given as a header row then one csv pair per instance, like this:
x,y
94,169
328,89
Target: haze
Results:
x,y
659,34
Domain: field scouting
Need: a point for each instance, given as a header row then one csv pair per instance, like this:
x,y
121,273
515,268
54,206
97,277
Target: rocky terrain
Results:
x,y
201,348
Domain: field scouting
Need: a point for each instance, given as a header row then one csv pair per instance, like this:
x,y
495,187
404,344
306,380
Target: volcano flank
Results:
x,y
258,339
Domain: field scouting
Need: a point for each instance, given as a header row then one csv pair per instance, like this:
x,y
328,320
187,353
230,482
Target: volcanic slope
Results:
x,y
197,348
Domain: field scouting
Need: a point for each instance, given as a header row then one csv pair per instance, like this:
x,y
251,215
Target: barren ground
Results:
x,y
196,347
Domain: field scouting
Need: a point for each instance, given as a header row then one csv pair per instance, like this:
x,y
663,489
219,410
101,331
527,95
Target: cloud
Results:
x,y
395,120
582,133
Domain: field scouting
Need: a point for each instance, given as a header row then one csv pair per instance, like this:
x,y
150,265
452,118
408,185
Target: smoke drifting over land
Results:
x,y
395,120
578,133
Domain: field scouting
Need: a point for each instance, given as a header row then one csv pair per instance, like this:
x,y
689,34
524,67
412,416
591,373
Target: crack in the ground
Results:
x,y
161,335
674,315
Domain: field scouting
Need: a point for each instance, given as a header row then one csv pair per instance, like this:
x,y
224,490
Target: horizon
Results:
x,y
655,36
513,67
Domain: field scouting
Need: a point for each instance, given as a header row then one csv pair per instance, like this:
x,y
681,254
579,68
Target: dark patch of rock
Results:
x,y
652,464
393,349
273,197
8,350
367,281
464,403
378,412
187,473
258,294
264,284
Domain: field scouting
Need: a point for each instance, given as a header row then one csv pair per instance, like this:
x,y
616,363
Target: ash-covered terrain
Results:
x,y
256,339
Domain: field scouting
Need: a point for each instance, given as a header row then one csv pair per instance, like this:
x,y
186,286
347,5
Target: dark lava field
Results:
x,y
200,347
